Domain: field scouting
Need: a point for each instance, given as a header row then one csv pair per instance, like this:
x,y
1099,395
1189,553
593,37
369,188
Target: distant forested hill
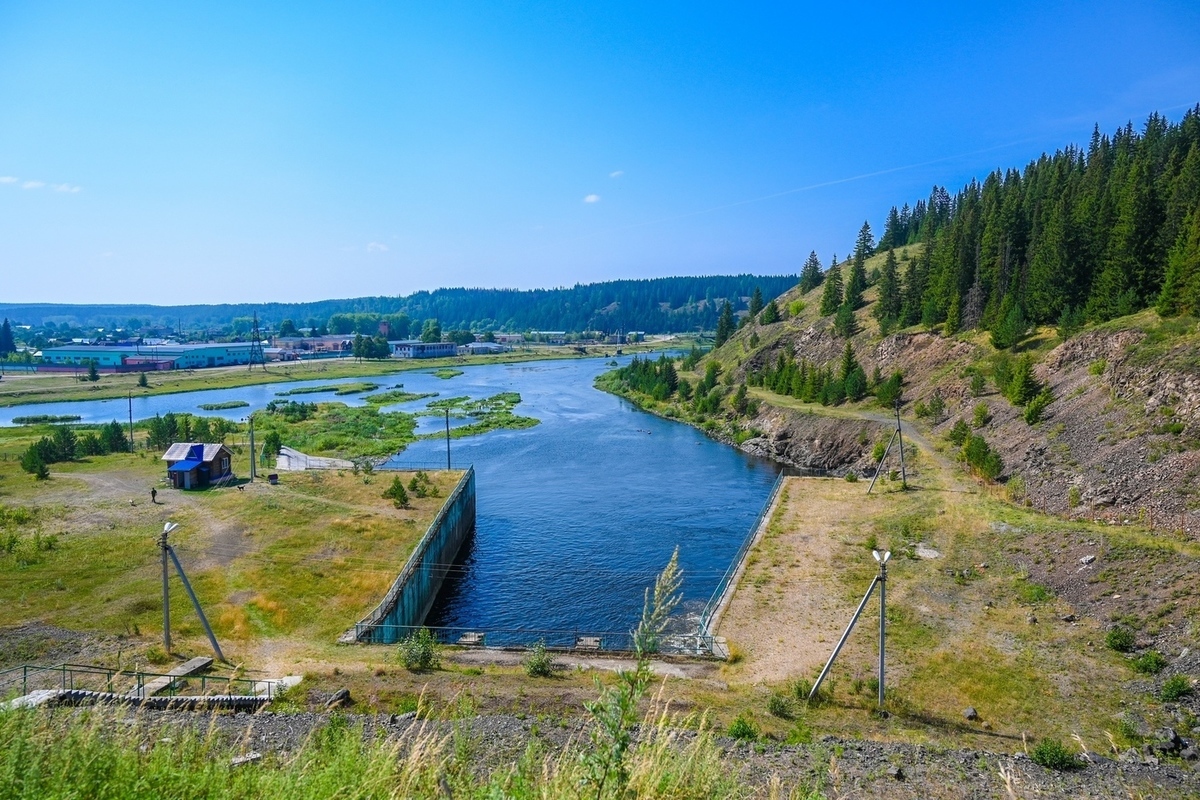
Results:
x,y
1081,235
658,305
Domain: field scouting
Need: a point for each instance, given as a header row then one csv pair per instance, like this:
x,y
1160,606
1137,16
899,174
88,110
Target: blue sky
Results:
x,y
300,151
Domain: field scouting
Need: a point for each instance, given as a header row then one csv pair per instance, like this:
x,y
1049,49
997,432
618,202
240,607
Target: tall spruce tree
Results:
x,y
7,345
756,302
891,300
1181,288
831,294
810,274
725,324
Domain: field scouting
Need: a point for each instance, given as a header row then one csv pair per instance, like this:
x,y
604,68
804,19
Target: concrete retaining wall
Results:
x,y
414,590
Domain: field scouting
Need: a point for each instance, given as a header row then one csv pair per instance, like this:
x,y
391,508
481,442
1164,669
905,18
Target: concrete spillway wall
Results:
x,y
415,588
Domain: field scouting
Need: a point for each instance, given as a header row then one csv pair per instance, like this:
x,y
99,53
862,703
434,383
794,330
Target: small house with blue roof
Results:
x,y
193,465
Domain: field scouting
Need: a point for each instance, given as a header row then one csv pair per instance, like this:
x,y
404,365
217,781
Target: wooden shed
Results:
x,y
192,465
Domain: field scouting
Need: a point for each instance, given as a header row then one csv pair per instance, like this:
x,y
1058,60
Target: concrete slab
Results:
x,y
157,685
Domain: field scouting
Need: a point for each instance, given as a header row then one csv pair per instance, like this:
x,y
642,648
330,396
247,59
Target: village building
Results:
x,y
192,465
415,348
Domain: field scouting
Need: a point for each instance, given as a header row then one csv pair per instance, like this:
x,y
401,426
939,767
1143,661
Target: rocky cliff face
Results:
x,y
1121,439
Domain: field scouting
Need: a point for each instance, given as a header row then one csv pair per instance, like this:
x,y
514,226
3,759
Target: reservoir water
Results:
x,y
576,516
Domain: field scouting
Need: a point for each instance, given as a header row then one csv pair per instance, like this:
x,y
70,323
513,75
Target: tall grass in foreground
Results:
x,y
97,754
104,753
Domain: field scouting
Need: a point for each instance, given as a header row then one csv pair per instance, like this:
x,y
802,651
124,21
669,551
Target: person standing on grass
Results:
x,y
153,495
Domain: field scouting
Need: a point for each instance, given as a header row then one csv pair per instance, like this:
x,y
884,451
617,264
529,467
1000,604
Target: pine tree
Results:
x,y
864,244
7,345
1012,328
856,284
844,323
1181,288
756,302
831,295
810,275
93,374
725,324
770,314
891,301
953,318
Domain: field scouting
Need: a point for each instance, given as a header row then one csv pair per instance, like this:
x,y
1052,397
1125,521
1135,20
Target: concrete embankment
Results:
x,y
415,588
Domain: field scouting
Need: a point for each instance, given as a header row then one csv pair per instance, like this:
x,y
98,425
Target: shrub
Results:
x,y
959,433
539,663
1175,687
851,477
420,651
982,416
1037,406
396,493
1120,639
1052,754
1073,497
743,728
1098,366
977,385
1150,663
780,706
1016,488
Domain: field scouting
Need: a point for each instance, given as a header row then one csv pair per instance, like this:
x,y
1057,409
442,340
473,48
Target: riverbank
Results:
x,y
25,389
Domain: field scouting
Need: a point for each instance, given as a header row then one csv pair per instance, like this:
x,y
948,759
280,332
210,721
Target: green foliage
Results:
x,y
891,390
221,406
1052,754
851,477
421,485
977,384
1022,386
810,275
1120,639
539,663
145,384
744,728
272,443
959,432
1151,662
1037,406
431,331
1011,330
982,459
845,324
981,415
419,651
1032,593
1175,688
770,314
396,493
93,374
1098,366
756,302
779,705
1073,497
831,293
725,324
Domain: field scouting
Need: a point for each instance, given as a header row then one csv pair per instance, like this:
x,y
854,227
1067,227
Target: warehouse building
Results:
x,y
140,357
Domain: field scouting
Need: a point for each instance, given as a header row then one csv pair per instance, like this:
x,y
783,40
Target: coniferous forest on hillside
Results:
x,y
1083,235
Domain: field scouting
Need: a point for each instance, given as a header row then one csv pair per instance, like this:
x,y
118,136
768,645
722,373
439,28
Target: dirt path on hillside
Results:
x,y
784,616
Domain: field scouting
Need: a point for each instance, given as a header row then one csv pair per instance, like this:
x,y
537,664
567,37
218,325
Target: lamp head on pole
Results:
x,y
883,557
170,526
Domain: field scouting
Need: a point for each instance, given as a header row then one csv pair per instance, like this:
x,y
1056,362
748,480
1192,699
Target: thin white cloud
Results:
x,y
8,179
107,254
33,184
64,187
592,198
616,174
377,247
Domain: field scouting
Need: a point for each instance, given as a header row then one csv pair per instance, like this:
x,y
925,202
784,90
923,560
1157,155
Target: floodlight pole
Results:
x,y
846,635
162,543
882,581
253,454
447,438
900,433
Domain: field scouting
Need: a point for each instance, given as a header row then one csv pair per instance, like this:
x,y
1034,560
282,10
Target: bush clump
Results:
x,y
780,706
396,493
1175,688
420,651
743,728
1053,754
539,663
1150,663
1120,639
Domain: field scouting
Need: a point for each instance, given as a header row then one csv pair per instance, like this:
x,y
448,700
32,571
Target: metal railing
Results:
x,y
714,601
72,677
574,641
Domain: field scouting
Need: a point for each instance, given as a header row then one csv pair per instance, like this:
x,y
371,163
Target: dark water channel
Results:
x,y
576,516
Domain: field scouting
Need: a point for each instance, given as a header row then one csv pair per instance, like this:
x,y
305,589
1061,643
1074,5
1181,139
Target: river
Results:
x,y
576,516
